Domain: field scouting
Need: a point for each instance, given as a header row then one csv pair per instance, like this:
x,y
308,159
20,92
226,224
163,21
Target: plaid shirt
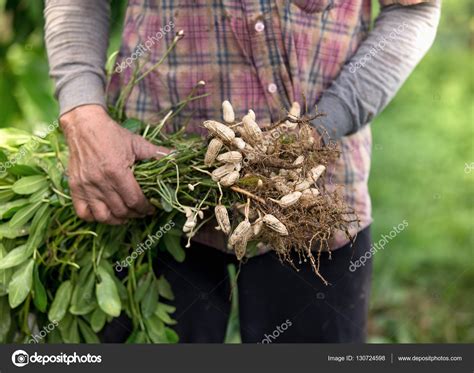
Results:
x,y
259,55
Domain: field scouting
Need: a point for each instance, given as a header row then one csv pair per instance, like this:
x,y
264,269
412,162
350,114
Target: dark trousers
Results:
x,y
276,303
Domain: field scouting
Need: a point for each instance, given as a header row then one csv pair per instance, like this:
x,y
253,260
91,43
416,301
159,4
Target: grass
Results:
x,y
424,279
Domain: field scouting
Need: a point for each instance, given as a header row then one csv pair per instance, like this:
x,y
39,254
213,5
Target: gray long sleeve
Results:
x,y
371,78
76,35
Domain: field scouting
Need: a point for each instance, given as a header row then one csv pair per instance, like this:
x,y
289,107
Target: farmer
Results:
x,y
260,55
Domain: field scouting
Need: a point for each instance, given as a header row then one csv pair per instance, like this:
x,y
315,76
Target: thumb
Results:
x,y
144,149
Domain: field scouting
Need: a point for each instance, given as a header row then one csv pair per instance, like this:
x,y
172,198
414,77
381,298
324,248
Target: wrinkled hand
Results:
x,y
103,187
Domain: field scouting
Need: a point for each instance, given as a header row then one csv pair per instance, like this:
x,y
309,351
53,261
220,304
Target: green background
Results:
x,y
423,283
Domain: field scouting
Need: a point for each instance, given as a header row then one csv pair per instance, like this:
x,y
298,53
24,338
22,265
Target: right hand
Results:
x,y
103,187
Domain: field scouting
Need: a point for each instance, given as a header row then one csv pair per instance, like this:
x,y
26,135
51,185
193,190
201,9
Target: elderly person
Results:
x,y
260,55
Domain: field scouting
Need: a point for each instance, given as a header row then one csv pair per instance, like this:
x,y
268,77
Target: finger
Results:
x,y
129,190
145,150
79,202
82,209
102,213
118,207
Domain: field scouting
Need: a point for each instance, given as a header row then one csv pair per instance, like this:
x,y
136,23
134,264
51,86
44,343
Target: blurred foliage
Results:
x,y
26,92
424,278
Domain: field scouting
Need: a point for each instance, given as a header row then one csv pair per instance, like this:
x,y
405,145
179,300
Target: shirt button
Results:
x,y
259,26
272,88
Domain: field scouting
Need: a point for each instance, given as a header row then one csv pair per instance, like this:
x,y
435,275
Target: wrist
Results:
x,y
337,120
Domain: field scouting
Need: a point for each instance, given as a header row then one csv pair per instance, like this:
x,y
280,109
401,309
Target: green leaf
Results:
x,y
8,232
166,205
20,284
133,125
161,313
24,215
61,302
137,337
87,333
98,320
172,243
51,167
15,257
164,288
21,170
40,298
171,335
5,196
8,209
83,300
3,157
30,184
69,329
38,228
114,241
40,194
168,308
150,301
156,329
107,294
5,320
5,274
54,337
142,286
13,137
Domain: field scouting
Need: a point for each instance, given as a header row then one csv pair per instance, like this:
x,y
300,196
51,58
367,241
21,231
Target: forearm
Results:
x,y
367,83
76,35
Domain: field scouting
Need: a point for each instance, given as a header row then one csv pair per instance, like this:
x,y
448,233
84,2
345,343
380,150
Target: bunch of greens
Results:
x,y
56,268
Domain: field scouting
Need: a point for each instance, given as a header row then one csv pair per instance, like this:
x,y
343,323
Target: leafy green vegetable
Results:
x,y
40,297
15,257
107,294
61,302
87,333
20,284
172,243
5,320
24,215
164,288
5,274
98,320
30,184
